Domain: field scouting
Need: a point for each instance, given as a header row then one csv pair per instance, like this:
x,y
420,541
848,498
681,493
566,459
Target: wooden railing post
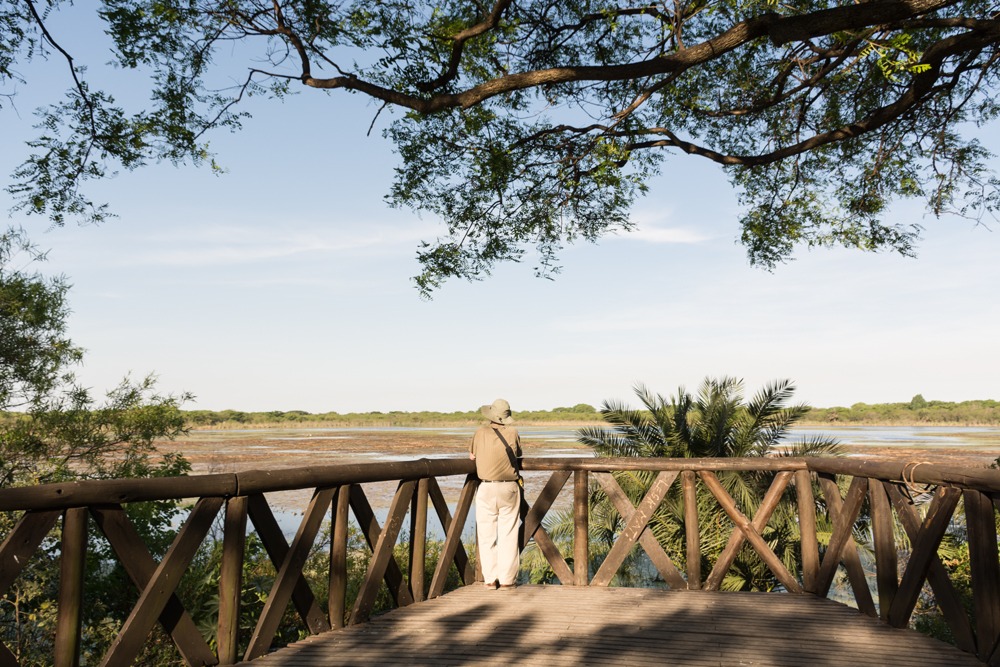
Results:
x,y
886,566
581,528
984,563
807,530
231,579
338,557
72,558
691,533
418,541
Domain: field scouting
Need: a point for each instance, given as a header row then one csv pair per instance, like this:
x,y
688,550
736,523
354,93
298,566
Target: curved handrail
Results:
x,y
814,484
61,495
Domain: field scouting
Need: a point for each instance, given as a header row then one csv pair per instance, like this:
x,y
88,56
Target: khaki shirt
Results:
x,y
492,460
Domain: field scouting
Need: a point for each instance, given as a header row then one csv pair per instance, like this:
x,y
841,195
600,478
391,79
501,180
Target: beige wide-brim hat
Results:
x,y
498,412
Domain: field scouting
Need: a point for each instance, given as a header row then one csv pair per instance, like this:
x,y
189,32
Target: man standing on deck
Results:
x,y
496,449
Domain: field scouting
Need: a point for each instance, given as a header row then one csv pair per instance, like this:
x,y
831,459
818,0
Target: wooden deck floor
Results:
x,y
561,625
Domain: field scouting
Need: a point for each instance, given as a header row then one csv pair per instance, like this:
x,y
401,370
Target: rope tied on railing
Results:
x,y
914,490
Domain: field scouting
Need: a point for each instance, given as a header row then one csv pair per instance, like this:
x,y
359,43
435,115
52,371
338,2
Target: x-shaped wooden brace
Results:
x,y
289,584
15,552
382,540
452,551
924,563
637,530
748,530
844,513
157,599
533,528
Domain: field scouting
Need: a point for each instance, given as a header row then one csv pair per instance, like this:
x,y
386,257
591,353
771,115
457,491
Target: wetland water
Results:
x,y
255,449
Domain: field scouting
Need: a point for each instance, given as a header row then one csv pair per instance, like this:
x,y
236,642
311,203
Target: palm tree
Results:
x,y
715,423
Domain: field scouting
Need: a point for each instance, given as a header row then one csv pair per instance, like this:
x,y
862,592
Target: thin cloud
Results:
x,y
666,235
655,227
636,320
238,245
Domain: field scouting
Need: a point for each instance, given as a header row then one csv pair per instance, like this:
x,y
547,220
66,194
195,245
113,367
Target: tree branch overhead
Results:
x,y
527,123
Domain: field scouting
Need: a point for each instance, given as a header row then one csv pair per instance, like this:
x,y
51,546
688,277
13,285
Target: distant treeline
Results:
x,y
916,411
578,414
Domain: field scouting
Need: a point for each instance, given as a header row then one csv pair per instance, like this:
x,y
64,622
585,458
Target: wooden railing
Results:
x,y
876,490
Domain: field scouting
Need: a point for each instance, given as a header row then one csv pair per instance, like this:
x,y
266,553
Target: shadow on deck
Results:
x,y
565,625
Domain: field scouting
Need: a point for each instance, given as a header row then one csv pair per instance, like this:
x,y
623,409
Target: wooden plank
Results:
x,y
22,542
751,530
807,530
274,543
87,493
692,532
985,569
635,526
915,472
566,626
610,464
945,594
338,557
289,574
140,566
72,558
883,529
418,542
382,555
234,539
581,528
330,476
453,538
842,548
661,561
924,550
158,592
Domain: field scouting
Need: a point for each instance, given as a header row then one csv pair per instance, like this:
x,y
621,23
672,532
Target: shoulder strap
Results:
x,y
510,452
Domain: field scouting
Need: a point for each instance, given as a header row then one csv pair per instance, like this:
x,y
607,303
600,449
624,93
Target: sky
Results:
x,y
285,284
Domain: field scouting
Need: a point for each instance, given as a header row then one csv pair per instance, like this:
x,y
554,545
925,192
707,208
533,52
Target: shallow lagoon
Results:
x,y
236,450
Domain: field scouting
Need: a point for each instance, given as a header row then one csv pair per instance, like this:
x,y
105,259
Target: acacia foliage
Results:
x,y
34,347
53,429
532,123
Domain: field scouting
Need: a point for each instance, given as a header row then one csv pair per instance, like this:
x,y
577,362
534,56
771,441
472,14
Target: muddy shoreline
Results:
x,y
221,451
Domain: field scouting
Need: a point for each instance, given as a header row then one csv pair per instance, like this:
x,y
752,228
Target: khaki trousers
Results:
x,y
498,518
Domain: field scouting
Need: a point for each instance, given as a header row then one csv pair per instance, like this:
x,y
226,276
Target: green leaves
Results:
x,y
35,351
528,125
716,422
894,57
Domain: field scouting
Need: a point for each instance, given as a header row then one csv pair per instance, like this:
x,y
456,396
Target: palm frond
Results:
x,y
816,445
716,422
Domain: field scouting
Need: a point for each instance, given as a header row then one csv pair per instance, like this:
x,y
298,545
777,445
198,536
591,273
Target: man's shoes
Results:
x,y
508,587
491,586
